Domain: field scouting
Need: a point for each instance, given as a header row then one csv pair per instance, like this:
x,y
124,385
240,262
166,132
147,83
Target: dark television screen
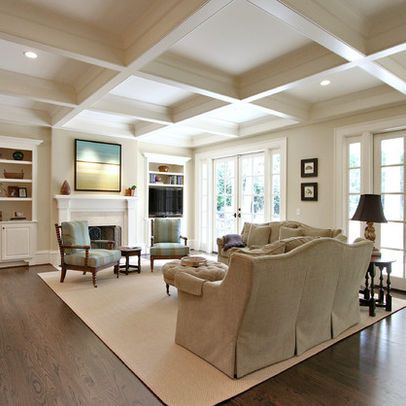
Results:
x,y
165,202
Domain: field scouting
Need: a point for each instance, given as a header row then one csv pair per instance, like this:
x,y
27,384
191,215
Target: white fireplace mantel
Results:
x,y
101,210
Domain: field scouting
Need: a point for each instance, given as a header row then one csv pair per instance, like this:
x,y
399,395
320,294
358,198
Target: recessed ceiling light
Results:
x,y
325,82
30,54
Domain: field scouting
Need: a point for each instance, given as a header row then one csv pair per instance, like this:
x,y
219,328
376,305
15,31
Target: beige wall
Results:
x,y
311,141
43,212
133,169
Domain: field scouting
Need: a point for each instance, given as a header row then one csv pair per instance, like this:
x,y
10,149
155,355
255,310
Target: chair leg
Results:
x,y
63,274
152,264
117,269
167,290
94,279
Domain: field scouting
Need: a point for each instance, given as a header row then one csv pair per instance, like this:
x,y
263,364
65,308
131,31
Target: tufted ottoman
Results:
x,y
212,271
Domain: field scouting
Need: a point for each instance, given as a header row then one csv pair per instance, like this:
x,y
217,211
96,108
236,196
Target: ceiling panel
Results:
x,y
239,38
46,66
349,81
238,113
107,15
150,91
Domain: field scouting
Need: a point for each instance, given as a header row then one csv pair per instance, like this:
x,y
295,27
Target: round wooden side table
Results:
x,y
128,252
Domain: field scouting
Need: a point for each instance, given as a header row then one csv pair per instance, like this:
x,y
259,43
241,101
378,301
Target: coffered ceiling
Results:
x,y
195,72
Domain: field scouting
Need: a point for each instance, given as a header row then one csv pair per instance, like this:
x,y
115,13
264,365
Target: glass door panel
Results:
x,y
251,206
225,172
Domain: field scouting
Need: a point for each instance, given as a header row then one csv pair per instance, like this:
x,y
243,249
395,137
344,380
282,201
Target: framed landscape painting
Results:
x,y
97,166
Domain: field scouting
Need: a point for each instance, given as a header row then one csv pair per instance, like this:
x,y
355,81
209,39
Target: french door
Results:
x,y
239,193
389,182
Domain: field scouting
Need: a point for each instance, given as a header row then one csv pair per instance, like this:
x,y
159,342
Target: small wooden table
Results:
x,y
369,291
128,252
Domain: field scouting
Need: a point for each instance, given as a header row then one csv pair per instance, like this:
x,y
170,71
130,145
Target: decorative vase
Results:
x,y
133,192
65,188
18,156
163,168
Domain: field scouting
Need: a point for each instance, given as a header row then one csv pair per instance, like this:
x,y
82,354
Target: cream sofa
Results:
x,y
274,235
269,308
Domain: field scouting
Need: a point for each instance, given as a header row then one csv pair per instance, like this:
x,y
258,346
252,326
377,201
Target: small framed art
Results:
x,y
22,192
309,192
309,168
12,191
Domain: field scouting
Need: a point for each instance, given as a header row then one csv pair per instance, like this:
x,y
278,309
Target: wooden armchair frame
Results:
x,y
86,268
154,257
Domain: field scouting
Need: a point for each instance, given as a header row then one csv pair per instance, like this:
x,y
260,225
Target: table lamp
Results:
x,y
370,210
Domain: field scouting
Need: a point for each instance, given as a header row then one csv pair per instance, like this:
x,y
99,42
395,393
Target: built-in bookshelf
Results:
x,y
16,182
18,208
172,176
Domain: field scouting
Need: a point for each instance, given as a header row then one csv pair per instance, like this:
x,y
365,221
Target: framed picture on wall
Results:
x,y
308,168
309,192
97,166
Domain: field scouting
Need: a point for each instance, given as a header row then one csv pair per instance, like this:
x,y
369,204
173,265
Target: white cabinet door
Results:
x,y
16,241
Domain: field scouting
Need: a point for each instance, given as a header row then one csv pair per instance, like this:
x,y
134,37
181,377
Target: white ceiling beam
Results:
x,y
157,39
133,108
263,125
39,36
143,129
384,75
304,19
333,17
307,25
191,76
100,128
212,126
21,115
32,88
195,106
285,106
379,96
166,25
288,71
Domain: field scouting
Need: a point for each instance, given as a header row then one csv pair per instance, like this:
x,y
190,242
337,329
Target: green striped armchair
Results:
x,y
76,252
165,240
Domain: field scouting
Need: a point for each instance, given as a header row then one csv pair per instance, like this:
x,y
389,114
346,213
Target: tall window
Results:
x,y
204,205
276,185
389,182
353,186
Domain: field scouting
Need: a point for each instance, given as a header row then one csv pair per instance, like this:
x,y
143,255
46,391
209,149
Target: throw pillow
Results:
x,y
277,247
294,242
245,231
258,235
233,240
288,232
317,232
341,237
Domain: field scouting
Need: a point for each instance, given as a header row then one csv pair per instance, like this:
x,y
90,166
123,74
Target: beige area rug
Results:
x,y
136,320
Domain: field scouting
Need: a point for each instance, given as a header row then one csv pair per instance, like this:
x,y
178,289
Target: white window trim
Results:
x,y
209,156
366,130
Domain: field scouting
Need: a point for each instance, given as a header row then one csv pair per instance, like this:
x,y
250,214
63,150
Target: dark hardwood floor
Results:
x,y
49,357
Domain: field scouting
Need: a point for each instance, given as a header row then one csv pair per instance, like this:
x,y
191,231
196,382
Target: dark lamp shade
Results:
x,y
370,209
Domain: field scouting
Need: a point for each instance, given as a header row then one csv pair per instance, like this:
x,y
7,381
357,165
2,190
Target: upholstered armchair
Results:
x,y
76,252
165,240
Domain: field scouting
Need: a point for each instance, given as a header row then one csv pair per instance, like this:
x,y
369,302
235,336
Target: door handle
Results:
x,y
235,215
239,215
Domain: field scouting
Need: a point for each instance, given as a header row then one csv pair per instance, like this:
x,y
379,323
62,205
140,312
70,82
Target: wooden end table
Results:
x,y
128,252
369,291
